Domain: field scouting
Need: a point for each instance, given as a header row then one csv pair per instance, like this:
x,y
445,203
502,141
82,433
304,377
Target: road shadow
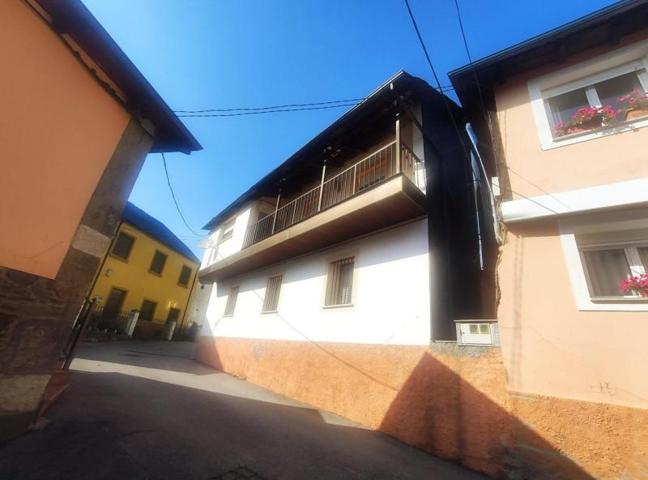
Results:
x,y
111,425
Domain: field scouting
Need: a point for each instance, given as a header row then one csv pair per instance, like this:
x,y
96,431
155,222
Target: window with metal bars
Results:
x,y
339,285
271,299
231,302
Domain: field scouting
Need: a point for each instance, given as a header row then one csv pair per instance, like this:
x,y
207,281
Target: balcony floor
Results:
x,y
389,203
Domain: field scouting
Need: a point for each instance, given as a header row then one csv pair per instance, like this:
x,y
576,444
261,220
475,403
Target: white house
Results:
x,y
365,238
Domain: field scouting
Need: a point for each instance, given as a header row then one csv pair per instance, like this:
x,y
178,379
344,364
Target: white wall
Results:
x,y
217,251
391,295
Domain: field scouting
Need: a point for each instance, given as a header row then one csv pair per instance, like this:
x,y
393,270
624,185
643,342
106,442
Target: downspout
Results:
x,y
193,284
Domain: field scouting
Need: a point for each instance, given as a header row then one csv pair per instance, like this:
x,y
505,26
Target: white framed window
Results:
x,y
227,231
339,283
272,292
601,250
230,306
596,85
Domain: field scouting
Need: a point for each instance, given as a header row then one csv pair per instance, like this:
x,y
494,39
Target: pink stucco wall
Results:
x,y
533,171
58,130
549,346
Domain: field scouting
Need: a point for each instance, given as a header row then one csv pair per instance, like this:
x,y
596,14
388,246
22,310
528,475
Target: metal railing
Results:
x,y
373,170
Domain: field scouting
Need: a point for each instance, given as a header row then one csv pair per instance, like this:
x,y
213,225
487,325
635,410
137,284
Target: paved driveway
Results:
x,y
148,411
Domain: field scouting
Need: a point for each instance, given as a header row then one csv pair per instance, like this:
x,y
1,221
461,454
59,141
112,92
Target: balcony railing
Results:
x,y
377,168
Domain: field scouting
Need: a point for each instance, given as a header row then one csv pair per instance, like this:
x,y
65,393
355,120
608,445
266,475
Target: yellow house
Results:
x,y
147,269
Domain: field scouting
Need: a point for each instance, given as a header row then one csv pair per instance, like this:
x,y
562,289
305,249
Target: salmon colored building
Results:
x,y
78,120
561,122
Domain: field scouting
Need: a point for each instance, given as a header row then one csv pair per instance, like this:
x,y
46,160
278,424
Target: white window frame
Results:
x,y
227,230
576,268
632,257
581,75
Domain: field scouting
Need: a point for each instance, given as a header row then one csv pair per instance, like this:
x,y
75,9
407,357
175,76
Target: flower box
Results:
x,y
636,113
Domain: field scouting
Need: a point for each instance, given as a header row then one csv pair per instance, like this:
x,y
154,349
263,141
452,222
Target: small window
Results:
x,y
158,262
123,246
185,275
271,299
607,267
147,310
340,283
231,302
227,231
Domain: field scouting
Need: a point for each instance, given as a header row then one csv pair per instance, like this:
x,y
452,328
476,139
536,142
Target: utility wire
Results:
x,y
288,105
260,112
175,200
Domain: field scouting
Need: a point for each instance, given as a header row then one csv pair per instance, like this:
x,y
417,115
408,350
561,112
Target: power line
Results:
x,y
261,112
288,105
175,200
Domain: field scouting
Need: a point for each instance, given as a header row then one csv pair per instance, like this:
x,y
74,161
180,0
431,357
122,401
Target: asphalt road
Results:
x,y
146,410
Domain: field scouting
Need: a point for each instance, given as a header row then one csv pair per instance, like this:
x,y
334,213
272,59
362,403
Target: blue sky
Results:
x,y
246,53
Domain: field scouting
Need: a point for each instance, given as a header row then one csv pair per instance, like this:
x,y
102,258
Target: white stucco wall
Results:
x,y
391,295
217,251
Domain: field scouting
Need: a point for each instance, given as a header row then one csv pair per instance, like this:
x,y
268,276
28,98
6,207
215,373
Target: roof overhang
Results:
x,y
382,101
72,18
607,26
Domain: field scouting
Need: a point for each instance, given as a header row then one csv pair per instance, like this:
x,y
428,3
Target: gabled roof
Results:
x,y
141,220
72,18
377,103
605,26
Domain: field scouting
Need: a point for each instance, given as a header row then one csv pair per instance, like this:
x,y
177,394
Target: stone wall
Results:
x,y
450,401
36,313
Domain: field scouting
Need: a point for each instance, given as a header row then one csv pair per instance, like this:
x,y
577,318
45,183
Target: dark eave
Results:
x,y
380,103
72,18
603,27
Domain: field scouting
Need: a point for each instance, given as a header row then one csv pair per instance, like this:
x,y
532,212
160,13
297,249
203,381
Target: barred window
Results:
x,y
271,299
231,302
158,262
123,246
339,284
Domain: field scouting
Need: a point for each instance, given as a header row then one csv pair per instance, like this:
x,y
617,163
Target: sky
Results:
x,y
202,54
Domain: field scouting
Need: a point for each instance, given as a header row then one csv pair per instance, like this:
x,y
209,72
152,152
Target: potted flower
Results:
x,y
637,284
586,118
634,104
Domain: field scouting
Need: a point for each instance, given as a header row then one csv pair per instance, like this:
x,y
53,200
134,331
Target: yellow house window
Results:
x,y
123,246
185,275
147,311
158,262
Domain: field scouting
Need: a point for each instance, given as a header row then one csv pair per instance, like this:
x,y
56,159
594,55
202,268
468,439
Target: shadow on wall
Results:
x,y
440,412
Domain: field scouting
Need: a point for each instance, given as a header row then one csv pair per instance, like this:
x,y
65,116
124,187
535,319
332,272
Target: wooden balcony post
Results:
x,y
398,146
319,201
274,220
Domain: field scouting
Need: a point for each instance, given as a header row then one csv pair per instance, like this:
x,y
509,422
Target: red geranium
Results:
x,y
636,284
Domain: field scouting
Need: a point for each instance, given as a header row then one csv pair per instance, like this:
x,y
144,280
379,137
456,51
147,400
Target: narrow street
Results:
x,y
146,410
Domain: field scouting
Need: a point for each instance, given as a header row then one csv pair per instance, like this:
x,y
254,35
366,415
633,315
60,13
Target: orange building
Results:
x,y
78,120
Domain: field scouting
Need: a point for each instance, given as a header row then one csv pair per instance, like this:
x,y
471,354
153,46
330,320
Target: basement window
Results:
x,y
231,302
271,299
339,284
